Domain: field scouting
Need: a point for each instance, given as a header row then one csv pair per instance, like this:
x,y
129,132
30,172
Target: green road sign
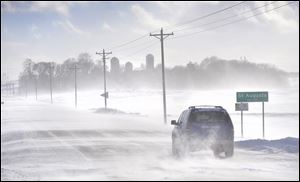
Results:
x,y
252,97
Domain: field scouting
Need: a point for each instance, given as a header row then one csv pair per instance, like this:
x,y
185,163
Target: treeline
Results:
x,y
214,72
210,73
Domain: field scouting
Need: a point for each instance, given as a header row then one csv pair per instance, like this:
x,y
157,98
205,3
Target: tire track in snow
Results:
x,y
68,145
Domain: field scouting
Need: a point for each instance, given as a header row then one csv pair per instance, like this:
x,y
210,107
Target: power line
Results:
x,y
191,21
135,46
210,14
226,18
129,42
145,48
140,50
177,25
207,15
216,27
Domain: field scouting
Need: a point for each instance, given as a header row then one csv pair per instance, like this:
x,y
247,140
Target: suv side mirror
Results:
x,y
173,122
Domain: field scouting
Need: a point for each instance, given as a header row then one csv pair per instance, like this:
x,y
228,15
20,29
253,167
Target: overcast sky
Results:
x,y
56,31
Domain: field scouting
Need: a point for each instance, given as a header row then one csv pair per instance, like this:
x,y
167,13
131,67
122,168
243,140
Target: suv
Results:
x,y
201,127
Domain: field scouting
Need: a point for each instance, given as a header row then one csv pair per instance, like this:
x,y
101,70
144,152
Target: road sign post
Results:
x,y
263,118
241,107
242,134
254,97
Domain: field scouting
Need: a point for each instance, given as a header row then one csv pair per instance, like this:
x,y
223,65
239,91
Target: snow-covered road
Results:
x,y
40,141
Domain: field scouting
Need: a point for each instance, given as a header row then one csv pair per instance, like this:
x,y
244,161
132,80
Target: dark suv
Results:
x,y
201,127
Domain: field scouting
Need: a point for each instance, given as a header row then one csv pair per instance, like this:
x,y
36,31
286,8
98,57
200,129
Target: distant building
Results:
x,y
128,67
114,66
149,62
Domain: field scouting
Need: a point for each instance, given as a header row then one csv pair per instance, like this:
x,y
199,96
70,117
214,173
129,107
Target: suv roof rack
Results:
x,y
206,106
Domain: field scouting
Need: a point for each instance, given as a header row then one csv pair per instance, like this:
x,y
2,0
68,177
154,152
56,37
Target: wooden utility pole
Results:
x,y
75,70
26,80
105,94
161,36
35,83
51,67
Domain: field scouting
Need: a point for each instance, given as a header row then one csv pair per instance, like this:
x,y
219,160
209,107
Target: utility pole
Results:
x,y
26,80
75,70
51,67
35,83
161,37
105,95
13,89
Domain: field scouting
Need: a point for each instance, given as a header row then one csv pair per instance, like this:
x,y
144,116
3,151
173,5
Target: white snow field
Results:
x,y
44,141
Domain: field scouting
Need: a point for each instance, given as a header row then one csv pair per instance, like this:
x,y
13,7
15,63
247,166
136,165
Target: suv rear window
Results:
x,y
207,116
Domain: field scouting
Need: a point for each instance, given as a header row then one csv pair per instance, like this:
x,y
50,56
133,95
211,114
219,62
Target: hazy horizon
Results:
x,y
56,31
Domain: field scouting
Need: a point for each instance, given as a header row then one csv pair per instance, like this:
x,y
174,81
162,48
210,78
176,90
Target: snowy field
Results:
x,y
44,141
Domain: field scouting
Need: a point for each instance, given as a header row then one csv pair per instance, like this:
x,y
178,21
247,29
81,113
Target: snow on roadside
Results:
x,y
288,144
40,141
